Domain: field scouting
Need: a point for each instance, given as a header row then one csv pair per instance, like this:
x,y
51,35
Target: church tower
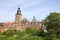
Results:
x,y
18,16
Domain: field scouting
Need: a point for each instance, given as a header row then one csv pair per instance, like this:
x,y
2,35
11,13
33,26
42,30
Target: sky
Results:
x,y
29,8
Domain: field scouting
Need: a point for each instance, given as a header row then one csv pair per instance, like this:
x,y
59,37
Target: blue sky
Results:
x,y
38,8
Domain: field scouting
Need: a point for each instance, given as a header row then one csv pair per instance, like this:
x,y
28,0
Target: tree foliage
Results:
x,y
28,34
52,22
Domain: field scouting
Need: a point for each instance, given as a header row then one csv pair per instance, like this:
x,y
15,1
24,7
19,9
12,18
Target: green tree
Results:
x,y
52,22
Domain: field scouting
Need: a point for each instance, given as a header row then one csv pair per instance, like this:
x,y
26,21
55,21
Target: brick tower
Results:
x,y
18,16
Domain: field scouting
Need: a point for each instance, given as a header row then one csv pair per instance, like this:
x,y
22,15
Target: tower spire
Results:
x,y
33,20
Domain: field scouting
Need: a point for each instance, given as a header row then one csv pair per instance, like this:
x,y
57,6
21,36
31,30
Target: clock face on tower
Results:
x,y
19,12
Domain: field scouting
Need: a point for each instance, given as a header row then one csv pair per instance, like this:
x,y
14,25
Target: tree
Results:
x,y
52,22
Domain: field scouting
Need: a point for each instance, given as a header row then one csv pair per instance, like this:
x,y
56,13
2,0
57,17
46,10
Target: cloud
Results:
x,y
17,3
31,4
